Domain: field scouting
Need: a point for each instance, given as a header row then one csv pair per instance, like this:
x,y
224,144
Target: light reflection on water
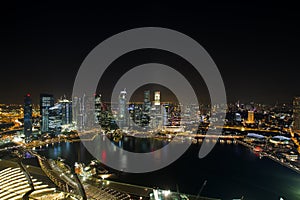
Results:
x,y
231,170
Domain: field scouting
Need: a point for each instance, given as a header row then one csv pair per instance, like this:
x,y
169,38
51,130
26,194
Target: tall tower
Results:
x,y
66,111
250,117
165,114
147,101
98,108
156,119
46,101
55,119
122,108
157,98
76,114
27,117
296,114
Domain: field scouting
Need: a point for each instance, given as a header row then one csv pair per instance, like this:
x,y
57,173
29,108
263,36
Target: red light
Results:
x,y
103,156
28,95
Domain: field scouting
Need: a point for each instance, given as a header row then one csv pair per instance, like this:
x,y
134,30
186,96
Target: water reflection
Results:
x,y
230,169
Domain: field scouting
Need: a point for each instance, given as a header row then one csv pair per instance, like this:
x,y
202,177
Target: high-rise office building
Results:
x,y
157,105
59,115
122,104
66,111
250,117
166,114
55,119
237,117
76,112
88,111
156,116
98,108
46,101
147,101
122,118
84,112
157,98
296,114
27,117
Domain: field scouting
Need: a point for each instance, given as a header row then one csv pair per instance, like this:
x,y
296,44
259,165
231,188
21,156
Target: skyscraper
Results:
x,y
237,117
157,98
156,117
147,101
296,114
76,112
122,108
88,111
250,117
46,101
66,111
27,117
55,119
165,114
59,115
98,108
84,112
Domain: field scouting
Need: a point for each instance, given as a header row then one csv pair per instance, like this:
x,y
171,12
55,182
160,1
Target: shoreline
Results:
x,y
265,154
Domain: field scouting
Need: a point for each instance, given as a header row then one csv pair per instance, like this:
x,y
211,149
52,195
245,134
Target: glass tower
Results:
x,y
122,108
147,101
66,111
46,101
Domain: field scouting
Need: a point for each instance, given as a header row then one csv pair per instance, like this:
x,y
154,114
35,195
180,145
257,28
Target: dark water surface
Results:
x,y
231,171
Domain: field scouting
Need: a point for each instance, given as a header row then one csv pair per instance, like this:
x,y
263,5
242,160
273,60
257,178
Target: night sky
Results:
x,y
255,45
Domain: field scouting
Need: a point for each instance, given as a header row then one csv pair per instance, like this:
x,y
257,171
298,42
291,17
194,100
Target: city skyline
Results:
x,y
150,100
138,98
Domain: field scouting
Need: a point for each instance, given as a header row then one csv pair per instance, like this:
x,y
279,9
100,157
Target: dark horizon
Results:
x,y
254,45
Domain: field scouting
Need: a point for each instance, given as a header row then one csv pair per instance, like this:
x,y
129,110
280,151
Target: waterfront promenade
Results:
x,y
270,156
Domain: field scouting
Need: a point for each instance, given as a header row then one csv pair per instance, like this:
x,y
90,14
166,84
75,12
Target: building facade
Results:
x,y
147,101
59,115
123,112
27,117
250,119
66,111
296,114
46,101
55,119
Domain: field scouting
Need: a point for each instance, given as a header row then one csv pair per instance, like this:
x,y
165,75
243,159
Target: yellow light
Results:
x,y
104,176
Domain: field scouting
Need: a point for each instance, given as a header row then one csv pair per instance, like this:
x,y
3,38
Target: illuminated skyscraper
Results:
x,y
165,114
66,111
98,108
46,101
156,117
76,112
250,117
27,117
147,101
238,117
58,115
122,108
122,104
55,119
157,98
296,114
